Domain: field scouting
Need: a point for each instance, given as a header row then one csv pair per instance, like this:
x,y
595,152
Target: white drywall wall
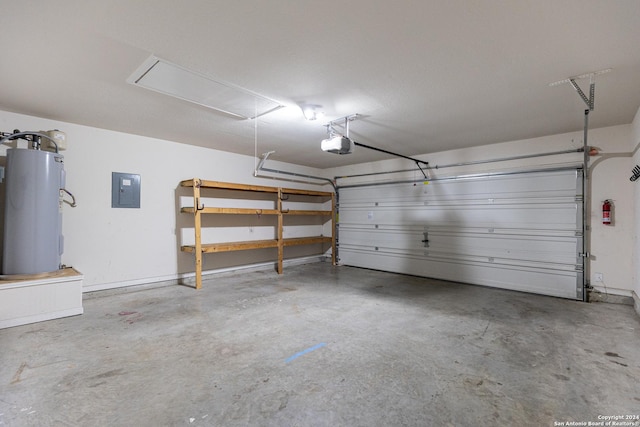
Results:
x,y
635,148
611,246
112,247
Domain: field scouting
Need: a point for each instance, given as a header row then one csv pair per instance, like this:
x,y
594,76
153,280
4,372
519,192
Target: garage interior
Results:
x,y
320,214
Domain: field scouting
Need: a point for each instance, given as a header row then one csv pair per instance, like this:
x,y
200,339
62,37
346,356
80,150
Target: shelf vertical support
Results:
x,y
198,235
280,234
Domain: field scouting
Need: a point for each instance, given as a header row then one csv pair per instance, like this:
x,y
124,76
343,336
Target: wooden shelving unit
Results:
x,y
280,194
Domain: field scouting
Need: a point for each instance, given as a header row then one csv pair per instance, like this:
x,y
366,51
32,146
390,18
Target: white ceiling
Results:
x,y
425,75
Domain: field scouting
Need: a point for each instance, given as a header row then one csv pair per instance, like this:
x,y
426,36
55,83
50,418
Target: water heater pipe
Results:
x,y
18,135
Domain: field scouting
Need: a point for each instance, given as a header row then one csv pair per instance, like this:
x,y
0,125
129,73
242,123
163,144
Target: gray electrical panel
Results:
x,y
125,190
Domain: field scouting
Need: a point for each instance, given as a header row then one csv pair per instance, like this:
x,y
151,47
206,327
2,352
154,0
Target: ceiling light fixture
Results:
x,y
312,111
162,76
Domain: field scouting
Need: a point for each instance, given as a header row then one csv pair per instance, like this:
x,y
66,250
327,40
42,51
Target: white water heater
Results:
x,y
35,182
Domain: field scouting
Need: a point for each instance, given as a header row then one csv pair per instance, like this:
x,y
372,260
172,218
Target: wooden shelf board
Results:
x,y
233,246
306,192
230,186
256,244
305,212
258,188
306,240
233,211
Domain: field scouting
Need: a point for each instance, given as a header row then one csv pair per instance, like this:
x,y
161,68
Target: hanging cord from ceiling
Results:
x,y
255,138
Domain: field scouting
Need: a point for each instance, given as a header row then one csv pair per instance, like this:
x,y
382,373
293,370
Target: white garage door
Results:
x,y
519,231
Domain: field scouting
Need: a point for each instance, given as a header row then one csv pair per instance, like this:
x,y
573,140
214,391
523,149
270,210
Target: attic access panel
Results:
x,y
164,77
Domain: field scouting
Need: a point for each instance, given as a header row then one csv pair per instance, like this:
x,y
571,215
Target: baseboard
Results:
x,y
593,295
636,302
190,278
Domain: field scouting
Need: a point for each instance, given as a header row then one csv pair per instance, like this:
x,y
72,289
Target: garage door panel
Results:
x,y
525,248
502,186
418,228
556,283
546,216
446,200
524,226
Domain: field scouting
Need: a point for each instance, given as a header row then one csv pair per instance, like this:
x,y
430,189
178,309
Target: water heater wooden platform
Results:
x,y
28,299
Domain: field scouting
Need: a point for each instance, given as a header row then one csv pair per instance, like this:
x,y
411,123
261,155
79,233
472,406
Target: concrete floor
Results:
x,y
322,346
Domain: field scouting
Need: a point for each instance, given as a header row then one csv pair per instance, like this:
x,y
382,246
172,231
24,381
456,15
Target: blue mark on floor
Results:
x,y
303,352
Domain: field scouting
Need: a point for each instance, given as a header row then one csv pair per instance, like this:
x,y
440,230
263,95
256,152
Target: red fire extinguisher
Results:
x,y
606,212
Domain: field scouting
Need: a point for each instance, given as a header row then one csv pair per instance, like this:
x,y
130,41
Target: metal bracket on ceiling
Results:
x,y
330,126
590,101
592,88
